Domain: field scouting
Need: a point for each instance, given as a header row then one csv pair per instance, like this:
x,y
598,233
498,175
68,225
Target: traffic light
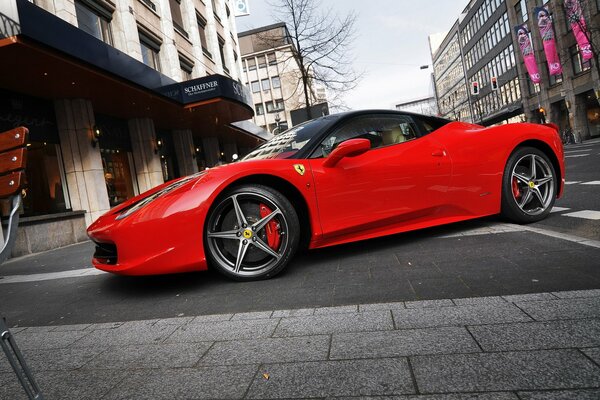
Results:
x,y
494,83
474,88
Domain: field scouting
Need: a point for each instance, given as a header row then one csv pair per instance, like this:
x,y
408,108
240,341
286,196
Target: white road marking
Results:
x,y
577,155
576,151
572,182
559,209
563,236
591,183
76,273
585,214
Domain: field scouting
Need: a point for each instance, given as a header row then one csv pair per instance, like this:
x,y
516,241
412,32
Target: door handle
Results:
x,y
439,153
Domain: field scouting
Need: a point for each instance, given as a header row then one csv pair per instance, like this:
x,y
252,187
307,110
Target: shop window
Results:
x,y
94,19
202,31
166,152
150,51
176,16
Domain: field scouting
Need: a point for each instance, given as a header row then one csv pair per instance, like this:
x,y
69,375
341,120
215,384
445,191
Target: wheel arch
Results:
x,y
547,150
288,190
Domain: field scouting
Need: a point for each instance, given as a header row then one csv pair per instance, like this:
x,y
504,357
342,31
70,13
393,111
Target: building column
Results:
x,y
211,150
580,123
83,164
183,142
145,157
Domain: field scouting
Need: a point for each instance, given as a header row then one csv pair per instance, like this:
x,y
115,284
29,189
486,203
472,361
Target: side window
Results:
x,y
381,131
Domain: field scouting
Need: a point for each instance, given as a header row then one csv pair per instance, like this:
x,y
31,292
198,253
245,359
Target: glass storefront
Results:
x,y
115,150
166,150
593,114
45,188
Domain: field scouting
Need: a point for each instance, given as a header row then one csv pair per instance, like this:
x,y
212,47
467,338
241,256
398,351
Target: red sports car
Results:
x,y
336,179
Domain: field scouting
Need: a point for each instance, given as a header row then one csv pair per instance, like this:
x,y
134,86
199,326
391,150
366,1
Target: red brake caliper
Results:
x,y
272,228
515,188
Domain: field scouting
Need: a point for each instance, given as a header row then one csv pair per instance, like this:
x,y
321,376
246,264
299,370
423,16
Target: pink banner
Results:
x,y
577,21
527,52
547,33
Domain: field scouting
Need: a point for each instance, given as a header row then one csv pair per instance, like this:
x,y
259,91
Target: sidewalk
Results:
x,y
535,346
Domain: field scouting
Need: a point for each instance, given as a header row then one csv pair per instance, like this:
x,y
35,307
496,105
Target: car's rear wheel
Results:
x,y
251,233
529,186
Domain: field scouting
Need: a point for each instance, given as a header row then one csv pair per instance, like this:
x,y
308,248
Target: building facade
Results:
x,y
119,96
493,86
426,106
271,73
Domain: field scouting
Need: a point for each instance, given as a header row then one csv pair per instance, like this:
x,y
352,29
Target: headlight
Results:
x,y
136,206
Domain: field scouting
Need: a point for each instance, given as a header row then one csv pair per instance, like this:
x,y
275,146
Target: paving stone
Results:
x,y
333,378
462,396
429,303
186,383
533,370
457,315
166,355
28,339
64,359
66,328
78,385
583,394
529,297
562,309
573,294
479,301
593,353
175,321
133,332
252,315
336,310
301,312
10,388
105,325
224,330
335,323
308,348
211,318
402,343
381,306
538,335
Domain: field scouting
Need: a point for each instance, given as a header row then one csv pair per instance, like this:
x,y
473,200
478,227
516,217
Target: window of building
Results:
x,y
202,31
578,65
555,79
275,82
187,67
150,4
175,6
273,61
279,106
265,84
251,64
262,62
255,87
150,51
215,10
270,107
94,19
222,54
521,11
260,109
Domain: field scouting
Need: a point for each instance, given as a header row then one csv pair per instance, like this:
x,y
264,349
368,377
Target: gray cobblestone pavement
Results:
x,y
533,346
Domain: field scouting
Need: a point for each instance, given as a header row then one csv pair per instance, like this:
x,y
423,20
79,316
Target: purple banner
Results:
x,y
577,21
527,52
547,33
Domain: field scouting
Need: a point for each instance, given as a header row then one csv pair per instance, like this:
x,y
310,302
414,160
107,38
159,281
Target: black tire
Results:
x,y
229,234
529,186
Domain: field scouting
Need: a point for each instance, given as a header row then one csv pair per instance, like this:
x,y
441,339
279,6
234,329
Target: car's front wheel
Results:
x,y
529,186
251,233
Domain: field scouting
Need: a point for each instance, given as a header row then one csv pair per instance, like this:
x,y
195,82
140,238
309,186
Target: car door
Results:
x,y
404,176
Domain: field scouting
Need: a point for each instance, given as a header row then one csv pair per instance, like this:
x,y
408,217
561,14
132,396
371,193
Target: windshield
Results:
x,y
288,143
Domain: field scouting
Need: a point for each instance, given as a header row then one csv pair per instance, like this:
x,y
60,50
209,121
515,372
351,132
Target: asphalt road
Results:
x,y
486,257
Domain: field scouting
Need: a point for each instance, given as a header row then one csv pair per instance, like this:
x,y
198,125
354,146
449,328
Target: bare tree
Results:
x,y
321,48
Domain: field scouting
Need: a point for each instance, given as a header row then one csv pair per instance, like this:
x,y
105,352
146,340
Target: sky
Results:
x,y
391,44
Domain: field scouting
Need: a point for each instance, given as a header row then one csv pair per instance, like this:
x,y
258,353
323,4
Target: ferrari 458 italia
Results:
x,y
335,179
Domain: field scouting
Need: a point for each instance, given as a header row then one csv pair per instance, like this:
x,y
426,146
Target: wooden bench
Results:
x,y
13,158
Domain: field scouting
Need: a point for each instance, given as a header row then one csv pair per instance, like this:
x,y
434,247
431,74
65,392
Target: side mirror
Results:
x,y
349,148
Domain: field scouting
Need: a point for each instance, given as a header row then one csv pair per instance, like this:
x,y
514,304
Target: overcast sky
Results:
x,y
391,44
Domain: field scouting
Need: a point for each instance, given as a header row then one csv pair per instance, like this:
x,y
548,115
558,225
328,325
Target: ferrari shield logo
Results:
x,y
300,169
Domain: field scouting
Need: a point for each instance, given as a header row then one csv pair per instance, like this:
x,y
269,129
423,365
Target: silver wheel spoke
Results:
x,y
240,255
521,178
239,214
533,166
543,181
262,246
526,198
224,235
538,194
261,224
